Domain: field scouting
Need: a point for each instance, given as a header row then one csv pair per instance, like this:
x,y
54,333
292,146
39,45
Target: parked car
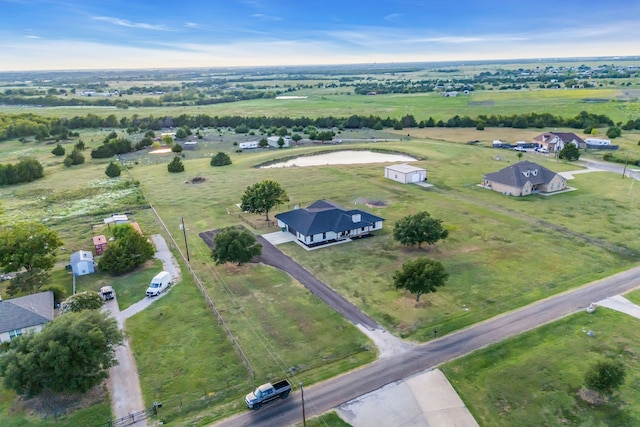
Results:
x,y
542,150
522,149
107,293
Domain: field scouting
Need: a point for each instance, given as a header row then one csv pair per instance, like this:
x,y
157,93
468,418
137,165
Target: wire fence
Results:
x,y
207,298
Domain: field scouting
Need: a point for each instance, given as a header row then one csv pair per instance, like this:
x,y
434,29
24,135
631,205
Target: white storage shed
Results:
x,y
405,173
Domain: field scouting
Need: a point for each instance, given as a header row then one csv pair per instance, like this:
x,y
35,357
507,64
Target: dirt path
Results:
x,y
124,383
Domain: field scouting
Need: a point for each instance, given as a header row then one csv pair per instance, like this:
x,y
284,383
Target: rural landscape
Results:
x,y
190,155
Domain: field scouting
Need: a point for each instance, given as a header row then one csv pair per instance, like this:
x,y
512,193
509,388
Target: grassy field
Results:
x,y
566,103
533,379
496,245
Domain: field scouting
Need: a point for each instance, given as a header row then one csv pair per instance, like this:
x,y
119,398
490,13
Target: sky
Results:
x,y
126,34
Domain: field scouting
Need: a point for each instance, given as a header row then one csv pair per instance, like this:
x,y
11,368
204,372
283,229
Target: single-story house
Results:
x,y
555,141
25,314
82,263
116,219
273,141
100,244
524,178
405,173
325,222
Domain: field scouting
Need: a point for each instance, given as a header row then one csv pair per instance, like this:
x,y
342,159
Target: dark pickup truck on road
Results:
x,y
268,392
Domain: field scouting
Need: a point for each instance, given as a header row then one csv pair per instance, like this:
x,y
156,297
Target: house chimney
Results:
x,y
355,218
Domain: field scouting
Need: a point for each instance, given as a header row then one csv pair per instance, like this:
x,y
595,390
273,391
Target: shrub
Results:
x,y
58,151
221,159
175,165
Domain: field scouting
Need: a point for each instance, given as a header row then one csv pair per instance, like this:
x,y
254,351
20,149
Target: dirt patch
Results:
x,y
48,404
592,397
372,203
480,103
195,180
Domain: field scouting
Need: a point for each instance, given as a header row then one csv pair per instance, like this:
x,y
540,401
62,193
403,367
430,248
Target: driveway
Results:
x,y
124,383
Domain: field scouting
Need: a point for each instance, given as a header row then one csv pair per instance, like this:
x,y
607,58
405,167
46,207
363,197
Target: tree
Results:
x,y
58,151
177,148
27,283
28,245
87,300
263,143
296,137
112,170
419,228
569,152
605,376
175,165
167,140
128,252
75,158
181,133
420,275
614,132
280,142
71,354
220,159
235,244
263,196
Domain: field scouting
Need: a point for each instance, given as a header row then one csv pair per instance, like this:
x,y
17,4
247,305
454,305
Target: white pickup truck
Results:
x,y
268,392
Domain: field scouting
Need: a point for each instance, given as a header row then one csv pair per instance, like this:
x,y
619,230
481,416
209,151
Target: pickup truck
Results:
x,y
268,392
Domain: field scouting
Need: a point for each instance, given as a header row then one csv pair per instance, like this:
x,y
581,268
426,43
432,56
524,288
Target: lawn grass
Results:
x,y
330,419
533,379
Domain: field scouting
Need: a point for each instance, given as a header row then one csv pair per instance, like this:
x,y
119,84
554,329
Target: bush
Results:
x,y
175,165
221,159
75,158
58,151
112,170
177,148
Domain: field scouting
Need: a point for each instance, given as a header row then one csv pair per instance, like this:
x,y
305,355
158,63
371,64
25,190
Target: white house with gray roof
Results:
x,y
326,222
524,178
25,314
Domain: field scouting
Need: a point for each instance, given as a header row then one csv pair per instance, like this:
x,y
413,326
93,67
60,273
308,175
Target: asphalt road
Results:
x,y
329,394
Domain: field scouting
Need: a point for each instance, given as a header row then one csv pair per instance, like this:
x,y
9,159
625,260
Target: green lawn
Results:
x,y
533,379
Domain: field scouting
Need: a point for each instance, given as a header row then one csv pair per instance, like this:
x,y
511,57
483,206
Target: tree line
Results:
x,y
25,170
30,125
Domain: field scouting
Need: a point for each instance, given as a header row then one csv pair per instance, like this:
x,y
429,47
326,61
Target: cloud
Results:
x,y
191,25
31,37
127,23
264,17
393,17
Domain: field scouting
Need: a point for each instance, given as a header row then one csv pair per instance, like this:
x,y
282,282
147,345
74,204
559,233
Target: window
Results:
x,y
311,239
15,333
362,228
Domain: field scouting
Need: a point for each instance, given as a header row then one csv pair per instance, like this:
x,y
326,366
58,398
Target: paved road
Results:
x,y
330,394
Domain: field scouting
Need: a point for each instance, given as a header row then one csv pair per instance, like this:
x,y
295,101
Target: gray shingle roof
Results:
x,y
518,174
323,216
27,311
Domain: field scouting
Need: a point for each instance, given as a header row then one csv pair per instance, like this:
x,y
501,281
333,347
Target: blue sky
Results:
x,y
95,34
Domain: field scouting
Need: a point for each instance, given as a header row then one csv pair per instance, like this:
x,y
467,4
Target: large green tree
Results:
x,y
420,276
128,252
419,228
71,354
263,196
28,282
235,244
112,170
28,245
220,159
175,165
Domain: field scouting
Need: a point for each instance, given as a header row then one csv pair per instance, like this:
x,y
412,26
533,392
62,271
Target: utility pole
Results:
x,y
304,419
625,166
184,232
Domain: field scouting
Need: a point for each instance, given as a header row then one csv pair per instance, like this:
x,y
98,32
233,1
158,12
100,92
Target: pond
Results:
x,y
345,157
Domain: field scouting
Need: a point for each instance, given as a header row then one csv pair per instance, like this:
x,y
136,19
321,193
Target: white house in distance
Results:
x,y
405,173
25,314
248,144
82,263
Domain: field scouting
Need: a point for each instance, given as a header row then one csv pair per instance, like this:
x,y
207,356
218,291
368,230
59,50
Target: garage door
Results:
x,y
415,177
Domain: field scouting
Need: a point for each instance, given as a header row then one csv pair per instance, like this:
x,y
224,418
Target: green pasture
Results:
x,y
496,243
533,379
334,102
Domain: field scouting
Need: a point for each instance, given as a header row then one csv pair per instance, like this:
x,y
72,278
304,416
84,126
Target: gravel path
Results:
x,y
124,383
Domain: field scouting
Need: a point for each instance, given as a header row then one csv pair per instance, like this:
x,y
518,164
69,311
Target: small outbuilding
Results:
x,y
405,173
82,263
273,141
100,244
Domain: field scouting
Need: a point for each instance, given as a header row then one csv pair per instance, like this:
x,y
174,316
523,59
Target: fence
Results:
x,y
256,225
134,418
208,300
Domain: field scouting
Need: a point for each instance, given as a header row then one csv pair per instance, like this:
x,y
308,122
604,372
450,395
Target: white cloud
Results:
x,y
393,17
264,17
127,23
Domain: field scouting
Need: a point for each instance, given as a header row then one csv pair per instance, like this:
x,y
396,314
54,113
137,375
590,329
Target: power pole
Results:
x,y
304,419
184,232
